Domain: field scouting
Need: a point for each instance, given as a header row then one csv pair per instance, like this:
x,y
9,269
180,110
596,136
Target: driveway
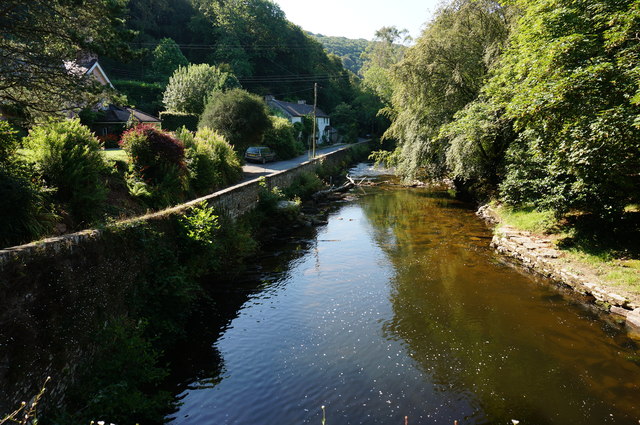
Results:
x,y
253,171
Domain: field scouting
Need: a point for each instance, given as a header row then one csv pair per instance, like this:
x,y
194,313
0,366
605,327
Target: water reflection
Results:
x,y
485,332
398,307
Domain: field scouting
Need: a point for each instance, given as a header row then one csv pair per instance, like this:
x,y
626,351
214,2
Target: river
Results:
x,y
398,307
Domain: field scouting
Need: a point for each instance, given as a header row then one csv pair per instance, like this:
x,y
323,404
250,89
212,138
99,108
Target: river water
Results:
x,y
398,307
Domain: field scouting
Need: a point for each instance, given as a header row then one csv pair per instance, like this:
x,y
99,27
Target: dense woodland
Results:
x,y
534,103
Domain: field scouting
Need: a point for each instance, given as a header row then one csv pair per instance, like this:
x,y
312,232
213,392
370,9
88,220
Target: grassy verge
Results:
x,y
612,254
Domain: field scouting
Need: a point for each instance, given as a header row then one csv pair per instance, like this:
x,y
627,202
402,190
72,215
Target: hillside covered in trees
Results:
x,y
253,40
348,49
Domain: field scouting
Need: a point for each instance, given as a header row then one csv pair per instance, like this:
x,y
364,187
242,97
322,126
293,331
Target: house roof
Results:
x,y
298,109
119,114
87,67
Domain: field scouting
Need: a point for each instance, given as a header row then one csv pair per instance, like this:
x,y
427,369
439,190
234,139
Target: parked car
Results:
x,y
259,154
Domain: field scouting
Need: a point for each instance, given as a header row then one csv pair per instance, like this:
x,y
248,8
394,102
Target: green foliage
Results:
x,y
528,219
120,383
280,137
439,76
41,39
240,116
478,139
172,121
144,96
349,50
303,186
24,212
68,156
189,87
158,172
167,57
568,82
213,162
345,119
201,224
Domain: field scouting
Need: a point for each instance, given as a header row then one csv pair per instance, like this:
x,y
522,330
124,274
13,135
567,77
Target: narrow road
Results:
x,y
253,171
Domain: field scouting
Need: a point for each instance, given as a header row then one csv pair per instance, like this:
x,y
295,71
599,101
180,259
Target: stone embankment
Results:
x,y
539,255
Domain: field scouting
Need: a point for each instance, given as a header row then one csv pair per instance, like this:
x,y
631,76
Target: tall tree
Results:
x,y
439,76
571,82
38,37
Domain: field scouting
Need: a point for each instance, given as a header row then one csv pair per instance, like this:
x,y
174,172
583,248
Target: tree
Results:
x,y
240,116
281,138
439,76
190,86
41,39
570,83
345,120
384,52
167,57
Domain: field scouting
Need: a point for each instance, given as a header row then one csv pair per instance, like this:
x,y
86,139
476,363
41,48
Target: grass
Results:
x,y
115,155
527,219
612,255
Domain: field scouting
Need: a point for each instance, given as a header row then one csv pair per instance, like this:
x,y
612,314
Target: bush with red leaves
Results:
x,y
153,152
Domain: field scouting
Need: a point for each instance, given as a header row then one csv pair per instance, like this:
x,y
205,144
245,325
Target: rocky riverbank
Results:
x,y
539,255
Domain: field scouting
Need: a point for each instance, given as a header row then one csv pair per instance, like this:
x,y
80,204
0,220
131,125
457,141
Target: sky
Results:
x,y
358,18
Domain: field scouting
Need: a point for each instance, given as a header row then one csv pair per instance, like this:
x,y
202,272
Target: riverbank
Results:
x,y
540,254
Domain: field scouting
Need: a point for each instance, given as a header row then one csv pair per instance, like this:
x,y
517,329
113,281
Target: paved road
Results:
x,y
253,171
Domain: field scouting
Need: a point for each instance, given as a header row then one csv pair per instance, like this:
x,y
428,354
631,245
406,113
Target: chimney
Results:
x,y
269,98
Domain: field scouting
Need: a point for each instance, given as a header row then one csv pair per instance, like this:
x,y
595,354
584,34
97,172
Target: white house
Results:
x,y
295,111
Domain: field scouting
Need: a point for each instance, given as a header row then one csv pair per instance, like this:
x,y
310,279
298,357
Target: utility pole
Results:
x,y
315,103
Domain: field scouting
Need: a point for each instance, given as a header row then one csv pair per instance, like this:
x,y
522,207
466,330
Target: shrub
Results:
x,y
157,171
190,86
213,162
24,213
68,156
239,115
146,96
303,186
172,121
281,138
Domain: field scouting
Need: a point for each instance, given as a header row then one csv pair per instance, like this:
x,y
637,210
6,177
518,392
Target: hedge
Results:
x,y
172,121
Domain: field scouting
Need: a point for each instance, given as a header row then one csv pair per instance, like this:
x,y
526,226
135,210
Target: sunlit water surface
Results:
x,y
397,307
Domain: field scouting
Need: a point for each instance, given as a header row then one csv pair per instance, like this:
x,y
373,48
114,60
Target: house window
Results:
x,y
105,131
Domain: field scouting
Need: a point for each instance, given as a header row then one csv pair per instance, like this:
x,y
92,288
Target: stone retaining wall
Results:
x,y
540,256
233,201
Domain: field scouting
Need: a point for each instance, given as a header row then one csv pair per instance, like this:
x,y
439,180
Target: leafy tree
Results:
x,y
69,157
190,86
240,116
344,118
570,82
41,39
167,57
281,138
439,76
